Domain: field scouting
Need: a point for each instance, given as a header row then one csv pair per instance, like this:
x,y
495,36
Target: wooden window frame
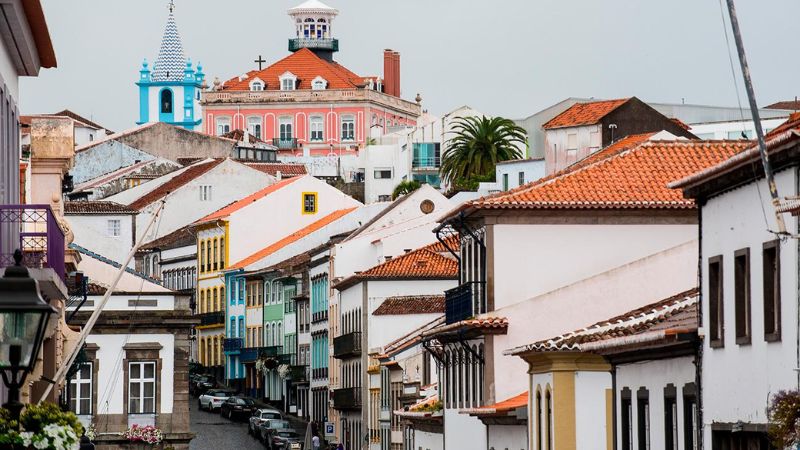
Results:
x,y
626,419
772,320
716,304
671,422
742,297
643,422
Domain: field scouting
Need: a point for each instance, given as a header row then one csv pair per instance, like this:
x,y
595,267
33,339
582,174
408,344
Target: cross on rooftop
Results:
x,y
260,61
171,5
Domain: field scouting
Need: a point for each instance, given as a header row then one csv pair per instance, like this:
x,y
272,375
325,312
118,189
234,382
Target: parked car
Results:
x,y
266,428
260,416
213,399
236,407
202,384
284,439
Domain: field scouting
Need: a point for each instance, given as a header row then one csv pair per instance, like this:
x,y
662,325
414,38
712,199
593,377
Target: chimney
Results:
x,y
396,60
388,72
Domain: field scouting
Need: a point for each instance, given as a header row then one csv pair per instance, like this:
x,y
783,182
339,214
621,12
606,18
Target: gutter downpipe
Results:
x,y
614,405
698,363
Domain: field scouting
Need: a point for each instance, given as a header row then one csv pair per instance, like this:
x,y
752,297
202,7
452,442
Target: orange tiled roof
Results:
x,y
286,169
254,197
584,113
629,179
507,405
411,304
451,241
306,66
484,324
272,248
176,182
422,263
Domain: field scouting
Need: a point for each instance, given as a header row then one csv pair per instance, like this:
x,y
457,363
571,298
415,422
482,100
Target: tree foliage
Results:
x,y
478,144
405,187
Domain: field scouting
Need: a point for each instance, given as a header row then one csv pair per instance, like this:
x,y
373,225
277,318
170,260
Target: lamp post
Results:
x,y
23,321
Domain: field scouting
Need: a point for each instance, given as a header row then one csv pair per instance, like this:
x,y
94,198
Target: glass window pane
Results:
x,y
135,371
85,407
135,390
149,406
86,371
149,389
86,390
149,370
133,406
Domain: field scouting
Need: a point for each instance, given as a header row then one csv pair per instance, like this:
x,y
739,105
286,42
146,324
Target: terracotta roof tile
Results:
x,y
418,264
676,313
286,169
633,178
306,66
175,183
411,338
581,114
254,197
411,304
238,135
788,104
451,241
96,207
182,237
272,248
499,408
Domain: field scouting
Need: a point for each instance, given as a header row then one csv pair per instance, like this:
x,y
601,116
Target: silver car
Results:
x,y
268,427
260,416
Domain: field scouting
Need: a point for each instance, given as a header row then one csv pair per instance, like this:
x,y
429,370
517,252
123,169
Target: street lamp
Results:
x,y
23,321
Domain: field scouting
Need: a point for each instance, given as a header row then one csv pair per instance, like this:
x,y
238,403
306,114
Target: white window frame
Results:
x,y
316,126
570,144
205,193
114,227
288,81
142,381
75,390
383,169
257,84
283,122
255,126
223,125
348,128
319,84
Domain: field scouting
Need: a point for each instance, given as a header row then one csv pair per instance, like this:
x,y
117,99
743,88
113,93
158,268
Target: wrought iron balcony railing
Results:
x,y
232,344
249,354
285,144
315,44
299,373
212,318
425,162
465,301
347,345
347,398
33,229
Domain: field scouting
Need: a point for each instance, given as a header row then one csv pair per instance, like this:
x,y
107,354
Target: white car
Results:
x,y
260,416
212,400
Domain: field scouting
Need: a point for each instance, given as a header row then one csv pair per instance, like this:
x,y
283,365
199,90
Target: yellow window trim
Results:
x,y
303,202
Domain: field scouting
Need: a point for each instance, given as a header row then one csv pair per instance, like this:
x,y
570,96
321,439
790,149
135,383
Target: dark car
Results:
x,y
237,407
202,384
269,426
284,439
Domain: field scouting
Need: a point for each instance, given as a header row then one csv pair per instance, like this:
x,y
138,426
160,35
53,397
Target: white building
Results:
x,y
513,174
748,290
107,228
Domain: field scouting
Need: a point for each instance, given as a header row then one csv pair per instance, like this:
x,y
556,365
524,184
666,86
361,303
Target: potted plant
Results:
x,y
147,435
784,419
41,427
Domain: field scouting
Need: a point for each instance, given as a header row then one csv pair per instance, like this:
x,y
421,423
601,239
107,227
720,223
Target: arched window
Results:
x,y
166,101
538,419
548,405
232,330
202,306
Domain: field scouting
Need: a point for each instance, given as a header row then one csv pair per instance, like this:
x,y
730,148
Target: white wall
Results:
x,y
590,409
9,72
91,232
733,130
733,221
378,157
654,376
463,431
557,154
508,437
426,440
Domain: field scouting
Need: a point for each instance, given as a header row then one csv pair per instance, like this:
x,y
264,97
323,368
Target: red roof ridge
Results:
x,y
293,237
584,113
191,173
422,263
231,208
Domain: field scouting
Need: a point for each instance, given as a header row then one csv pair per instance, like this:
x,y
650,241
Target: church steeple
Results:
x,y
313,24
170,92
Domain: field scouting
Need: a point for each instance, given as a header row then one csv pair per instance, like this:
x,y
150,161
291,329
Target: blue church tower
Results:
x,y
170,92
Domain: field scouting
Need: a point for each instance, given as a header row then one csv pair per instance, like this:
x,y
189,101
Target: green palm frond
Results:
x,y
478,144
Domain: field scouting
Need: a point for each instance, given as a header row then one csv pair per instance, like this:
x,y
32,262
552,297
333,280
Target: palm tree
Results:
x,y
478,144
405,187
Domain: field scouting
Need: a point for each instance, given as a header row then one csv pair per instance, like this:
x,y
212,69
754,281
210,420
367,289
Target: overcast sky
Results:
x,y
502,57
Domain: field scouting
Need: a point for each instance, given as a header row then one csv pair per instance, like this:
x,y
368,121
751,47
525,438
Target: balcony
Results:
x,y
299,374
34,230
285,144
314,44
318,373
212,318
464,301
347,398
426,163
320,316
347,345
232,345
250,354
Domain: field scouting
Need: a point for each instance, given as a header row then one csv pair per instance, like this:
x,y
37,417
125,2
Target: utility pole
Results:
x,y
751,97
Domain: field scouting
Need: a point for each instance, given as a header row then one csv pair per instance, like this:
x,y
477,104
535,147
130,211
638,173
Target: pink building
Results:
x,y
307,102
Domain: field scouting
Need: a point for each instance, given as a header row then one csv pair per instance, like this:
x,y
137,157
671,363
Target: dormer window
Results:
x,y
319,84
288,81
256,85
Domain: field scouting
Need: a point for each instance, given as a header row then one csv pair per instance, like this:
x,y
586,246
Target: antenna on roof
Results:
x,y
751,96
171,6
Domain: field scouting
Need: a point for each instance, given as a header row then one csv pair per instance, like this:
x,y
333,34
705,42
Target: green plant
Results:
x,y
405,187
784,419
37,417
42,427
478,144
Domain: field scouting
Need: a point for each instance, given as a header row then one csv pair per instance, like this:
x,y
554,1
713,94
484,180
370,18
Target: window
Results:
x,y
627,419
319,84
142,388
256,85
521,178
254,126
716,322
232,330
166,101
348,128
772,291
316,127
505,181
572,141
288,81
114,227
285,129
80,391
205,193
548,403
538,420
741,283
222,252
690,430
670,418
309,202
383,174
223,125
643,413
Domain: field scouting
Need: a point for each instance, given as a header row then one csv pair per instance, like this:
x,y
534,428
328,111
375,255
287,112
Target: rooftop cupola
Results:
x,y
313,24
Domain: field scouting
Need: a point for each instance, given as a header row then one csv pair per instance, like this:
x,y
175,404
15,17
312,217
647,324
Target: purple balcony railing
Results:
x,y
34,230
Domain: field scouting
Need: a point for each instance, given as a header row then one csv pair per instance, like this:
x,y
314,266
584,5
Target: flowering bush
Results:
x,y
784,419
283,371
43,427
147,434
